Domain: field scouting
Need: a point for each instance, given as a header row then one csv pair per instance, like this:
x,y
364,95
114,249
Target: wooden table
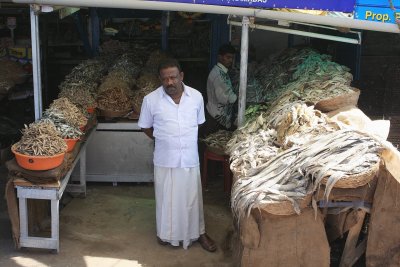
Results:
x,y
52,192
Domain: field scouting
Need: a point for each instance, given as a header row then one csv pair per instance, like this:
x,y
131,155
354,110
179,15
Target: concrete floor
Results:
x,y
115,226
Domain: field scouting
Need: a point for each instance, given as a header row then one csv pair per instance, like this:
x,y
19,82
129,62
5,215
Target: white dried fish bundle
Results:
x,y
129,63
65,131
218,140
87,72
115,99
62,110
299,123
40,139
249,152
297,172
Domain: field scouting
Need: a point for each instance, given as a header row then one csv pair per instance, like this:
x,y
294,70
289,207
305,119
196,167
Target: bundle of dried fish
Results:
x,y
129,63
113,83
138,96
123,75
79,96
296,172
114,47
275,74
115,99
148,79
218,140
87,72
250,152
40,139
299,123
65,131
62,110
155,58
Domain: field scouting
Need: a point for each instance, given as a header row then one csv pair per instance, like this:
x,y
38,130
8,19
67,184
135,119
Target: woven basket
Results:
x,y
357,180
216,150
334,103
286,207
113,114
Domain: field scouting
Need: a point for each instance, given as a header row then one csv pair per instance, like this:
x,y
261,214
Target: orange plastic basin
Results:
x,y
38,163
90,110
71,144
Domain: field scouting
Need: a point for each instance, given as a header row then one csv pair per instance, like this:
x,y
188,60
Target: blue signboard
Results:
x,y
378,3
329,5
378,10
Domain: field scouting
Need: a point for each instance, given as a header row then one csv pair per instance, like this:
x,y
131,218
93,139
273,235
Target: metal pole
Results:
x,y
243,70
37,74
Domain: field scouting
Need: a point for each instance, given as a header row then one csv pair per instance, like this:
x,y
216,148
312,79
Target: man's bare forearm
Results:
x,y
148,132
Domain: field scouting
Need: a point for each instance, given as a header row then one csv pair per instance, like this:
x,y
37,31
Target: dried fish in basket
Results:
x,y
62,110
40,139
65,131
217,141
111,83
250,152
148,79
138,96
294,173
116,99
87,72
80,96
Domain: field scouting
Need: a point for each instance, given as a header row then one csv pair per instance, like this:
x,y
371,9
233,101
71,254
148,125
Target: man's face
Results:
x,y
171,80
226,59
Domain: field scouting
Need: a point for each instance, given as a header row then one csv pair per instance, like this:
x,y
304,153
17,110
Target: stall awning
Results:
x,y
229,10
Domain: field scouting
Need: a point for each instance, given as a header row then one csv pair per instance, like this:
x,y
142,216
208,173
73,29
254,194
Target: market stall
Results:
x,y
281,210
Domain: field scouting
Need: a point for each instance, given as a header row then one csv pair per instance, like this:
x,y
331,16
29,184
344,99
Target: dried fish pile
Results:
x,y
114,47
299,123
218,140
40,139
88,72
294,173
112,83
154,59
63,111
80,96
249,152
65,131
138,95
148,79
274,75
115,99
126,68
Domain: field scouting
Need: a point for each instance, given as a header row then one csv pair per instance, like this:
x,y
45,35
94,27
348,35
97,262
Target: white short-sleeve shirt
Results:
x,y
175,126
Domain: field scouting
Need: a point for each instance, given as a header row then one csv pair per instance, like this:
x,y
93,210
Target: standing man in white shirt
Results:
x,y
220,94
171,115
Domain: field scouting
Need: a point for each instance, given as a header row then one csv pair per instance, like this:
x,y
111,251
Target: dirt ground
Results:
x,y
115,226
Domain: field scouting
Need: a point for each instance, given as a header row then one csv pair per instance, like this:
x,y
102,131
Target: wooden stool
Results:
x,y
209,155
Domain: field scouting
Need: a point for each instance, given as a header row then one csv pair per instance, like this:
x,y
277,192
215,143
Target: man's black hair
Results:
x,y
226,49
169,63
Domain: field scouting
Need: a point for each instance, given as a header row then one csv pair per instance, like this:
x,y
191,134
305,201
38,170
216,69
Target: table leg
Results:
x,y
55,228
23,218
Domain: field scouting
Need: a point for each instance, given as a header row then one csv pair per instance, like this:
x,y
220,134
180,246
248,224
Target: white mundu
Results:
x,y
179,202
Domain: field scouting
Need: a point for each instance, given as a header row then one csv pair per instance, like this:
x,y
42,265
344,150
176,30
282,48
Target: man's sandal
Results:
x,y
161,242
207,243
